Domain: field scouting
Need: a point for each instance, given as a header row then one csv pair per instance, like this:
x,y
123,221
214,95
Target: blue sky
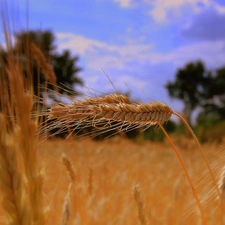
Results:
x,y
139,43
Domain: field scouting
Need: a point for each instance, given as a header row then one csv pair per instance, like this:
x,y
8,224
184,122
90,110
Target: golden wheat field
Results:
x,y
79,181
107,174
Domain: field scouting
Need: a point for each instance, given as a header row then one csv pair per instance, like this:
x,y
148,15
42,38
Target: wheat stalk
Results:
x,y
221,184
11,184
66,207
21,178
18,138
90,181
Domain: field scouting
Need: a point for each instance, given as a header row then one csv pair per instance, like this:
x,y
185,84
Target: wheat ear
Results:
x,y
140,204
66,204
144,114
69,168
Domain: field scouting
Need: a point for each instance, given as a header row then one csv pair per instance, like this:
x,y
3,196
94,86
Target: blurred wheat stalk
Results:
x,y
21,176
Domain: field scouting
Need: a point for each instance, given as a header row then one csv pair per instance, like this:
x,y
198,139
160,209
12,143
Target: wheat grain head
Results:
x,y
113,107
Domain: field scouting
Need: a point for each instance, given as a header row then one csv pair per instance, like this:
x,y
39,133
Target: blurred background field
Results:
x,y
106,173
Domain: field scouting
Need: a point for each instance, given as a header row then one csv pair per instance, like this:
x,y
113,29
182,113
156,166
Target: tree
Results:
x,y
189,86
214,96
64,68
63,64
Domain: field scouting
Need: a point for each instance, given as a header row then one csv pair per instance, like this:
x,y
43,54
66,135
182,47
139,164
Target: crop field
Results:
x,y
122,182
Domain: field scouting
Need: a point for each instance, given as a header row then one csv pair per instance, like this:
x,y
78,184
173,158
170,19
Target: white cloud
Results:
x,y
212,53
125,3
129,56
164,11
101,54
219,8
82,44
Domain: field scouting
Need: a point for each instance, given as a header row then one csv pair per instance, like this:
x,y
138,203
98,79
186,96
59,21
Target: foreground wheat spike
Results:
x,y
112,108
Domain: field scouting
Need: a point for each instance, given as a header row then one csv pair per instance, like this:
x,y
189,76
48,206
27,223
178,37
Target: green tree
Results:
x,y
44,39
63,64
214,96
66,71
189,86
